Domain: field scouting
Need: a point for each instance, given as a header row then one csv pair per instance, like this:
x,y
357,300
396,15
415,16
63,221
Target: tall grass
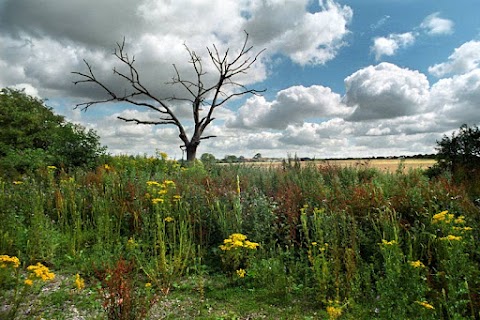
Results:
x,y
357,241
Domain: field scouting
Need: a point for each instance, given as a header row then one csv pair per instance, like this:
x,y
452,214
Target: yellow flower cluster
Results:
x,y
334,312
238,240
241,273
169,219
39,271
162,189
425,305
79,282
443,216
388,243
417,264
451,237
6,261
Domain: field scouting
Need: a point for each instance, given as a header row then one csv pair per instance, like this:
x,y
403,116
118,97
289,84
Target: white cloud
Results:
x,y
386,91
388,46
293,105
434,25
456,99
464,59
306,38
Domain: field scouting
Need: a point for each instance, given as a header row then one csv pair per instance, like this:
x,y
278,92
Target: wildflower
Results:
x,y
241,273
169,219
157,200
148,285
163,155
79,282
39,271
451,237
169,183
425,304
177,197
153,183
334,312
389,243
460,220
107,167
28,282
314,244
51,167
5,261
238,237
17,182
417,264
162,192
442,216
250,245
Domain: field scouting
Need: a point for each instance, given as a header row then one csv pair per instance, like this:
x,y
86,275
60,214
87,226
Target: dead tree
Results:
x,y
202,97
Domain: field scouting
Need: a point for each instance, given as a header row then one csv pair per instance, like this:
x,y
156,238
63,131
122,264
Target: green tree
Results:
x,y
461,150
208,159
32,136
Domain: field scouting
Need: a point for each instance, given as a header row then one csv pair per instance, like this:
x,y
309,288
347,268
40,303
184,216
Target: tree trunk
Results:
x,y
191,151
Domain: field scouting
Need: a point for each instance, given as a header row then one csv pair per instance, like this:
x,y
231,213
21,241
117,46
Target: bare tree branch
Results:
x,y
215,95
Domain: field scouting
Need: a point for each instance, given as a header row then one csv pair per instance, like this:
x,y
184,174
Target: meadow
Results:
x,y
147,238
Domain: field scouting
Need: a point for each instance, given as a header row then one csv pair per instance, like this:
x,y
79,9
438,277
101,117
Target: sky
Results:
x,y
345,78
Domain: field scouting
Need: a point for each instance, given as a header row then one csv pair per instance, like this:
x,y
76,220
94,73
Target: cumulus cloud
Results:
x,y
306,38
43,42
464,59
293,105
388,46
456,99
385,91
434,25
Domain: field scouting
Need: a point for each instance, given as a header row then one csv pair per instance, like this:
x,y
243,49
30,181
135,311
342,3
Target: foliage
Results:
x,y
32,137
335,243
460,156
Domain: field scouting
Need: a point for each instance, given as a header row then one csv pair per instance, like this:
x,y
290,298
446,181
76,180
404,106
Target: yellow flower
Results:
x,y
314,244
41,272
148,285
28,282
153,183
177,197
162,192
451,237
107,167
237,243
17,182
51,167
443,216
417,264
157,200
169,219
5,261
250,245
425,304
241,273
238,237
389,243
460,220
334,312
79,282
163,155
169,182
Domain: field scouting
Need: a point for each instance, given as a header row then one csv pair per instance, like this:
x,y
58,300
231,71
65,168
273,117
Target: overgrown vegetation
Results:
x,y
144,237
33,137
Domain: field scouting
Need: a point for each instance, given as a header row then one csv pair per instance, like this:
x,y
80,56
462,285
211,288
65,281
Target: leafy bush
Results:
x,y
32,137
